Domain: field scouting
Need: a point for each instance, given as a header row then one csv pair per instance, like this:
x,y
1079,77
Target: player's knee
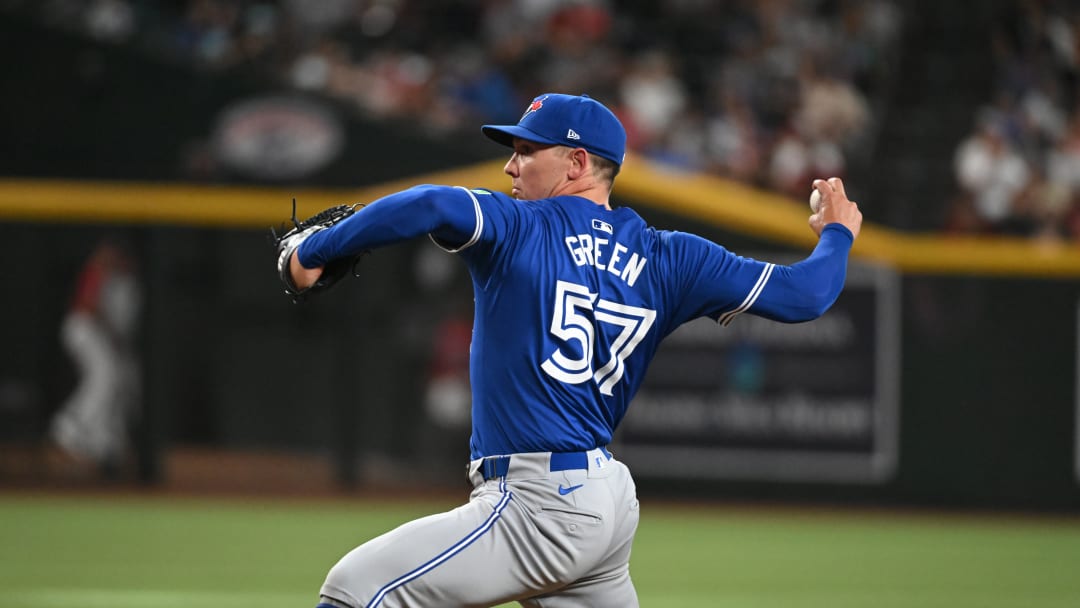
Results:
x,y
329,602
338,588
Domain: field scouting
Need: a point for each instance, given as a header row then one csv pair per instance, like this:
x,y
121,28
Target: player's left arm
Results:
x,y
449,214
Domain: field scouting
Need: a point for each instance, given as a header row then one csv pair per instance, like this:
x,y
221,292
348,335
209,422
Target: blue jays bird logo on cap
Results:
x,y
534,106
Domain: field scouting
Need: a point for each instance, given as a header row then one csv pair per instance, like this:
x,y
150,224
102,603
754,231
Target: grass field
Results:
x,y
158,552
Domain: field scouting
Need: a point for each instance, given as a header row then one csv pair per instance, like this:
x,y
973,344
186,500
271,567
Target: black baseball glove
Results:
x,y
289,239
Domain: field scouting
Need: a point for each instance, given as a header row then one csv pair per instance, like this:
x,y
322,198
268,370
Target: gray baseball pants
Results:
x,y
547,539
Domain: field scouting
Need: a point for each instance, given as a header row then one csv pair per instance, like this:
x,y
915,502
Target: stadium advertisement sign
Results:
x,y
760,400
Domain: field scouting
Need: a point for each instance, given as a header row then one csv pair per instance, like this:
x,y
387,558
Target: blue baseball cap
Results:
x,y
578,121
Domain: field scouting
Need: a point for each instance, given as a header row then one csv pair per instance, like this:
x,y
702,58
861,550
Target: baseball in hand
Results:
x,y
815,200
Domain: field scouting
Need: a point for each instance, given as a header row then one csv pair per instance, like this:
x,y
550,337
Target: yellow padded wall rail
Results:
x,y
729,205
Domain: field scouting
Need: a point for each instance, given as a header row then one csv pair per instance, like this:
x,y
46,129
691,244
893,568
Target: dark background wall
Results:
x,y
988,365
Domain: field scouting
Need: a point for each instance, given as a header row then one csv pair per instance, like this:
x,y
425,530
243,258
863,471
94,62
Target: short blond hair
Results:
x,y
604,169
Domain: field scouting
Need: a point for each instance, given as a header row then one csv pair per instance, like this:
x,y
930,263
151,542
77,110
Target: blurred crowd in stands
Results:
x,y
1018,172
769,92
765,91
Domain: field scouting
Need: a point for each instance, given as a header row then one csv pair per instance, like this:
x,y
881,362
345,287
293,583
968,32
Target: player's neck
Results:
x,y
592,190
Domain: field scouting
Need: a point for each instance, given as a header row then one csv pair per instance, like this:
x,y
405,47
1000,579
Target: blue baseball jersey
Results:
x,y
572,301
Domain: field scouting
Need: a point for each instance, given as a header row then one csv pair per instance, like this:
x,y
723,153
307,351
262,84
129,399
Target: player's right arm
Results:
x,y
450,214
727,285
835,208
805,290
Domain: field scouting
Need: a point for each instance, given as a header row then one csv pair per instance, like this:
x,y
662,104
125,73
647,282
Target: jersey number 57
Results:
x,y
578,313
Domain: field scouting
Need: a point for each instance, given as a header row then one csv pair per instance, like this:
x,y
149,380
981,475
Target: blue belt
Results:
x,y
494,467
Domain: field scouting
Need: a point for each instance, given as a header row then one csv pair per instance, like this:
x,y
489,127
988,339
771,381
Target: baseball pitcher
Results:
x,y
572,300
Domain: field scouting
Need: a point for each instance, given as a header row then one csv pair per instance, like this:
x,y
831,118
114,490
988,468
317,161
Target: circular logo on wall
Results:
x,y
277,138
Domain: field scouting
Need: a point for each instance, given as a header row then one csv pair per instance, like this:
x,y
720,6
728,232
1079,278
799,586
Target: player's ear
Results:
x,y
579,163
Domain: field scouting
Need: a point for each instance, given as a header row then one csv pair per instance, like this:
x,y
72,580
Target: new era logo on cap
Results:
x,y
567,120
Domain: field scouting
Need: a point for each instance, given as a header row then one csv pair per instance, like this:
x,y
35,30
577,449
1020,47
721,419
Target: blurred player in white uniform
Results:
x,y
98,334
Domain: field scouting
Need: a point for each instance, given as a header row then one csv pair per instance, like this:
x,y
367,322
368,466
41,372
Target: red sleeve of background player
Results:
x,y
88,288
